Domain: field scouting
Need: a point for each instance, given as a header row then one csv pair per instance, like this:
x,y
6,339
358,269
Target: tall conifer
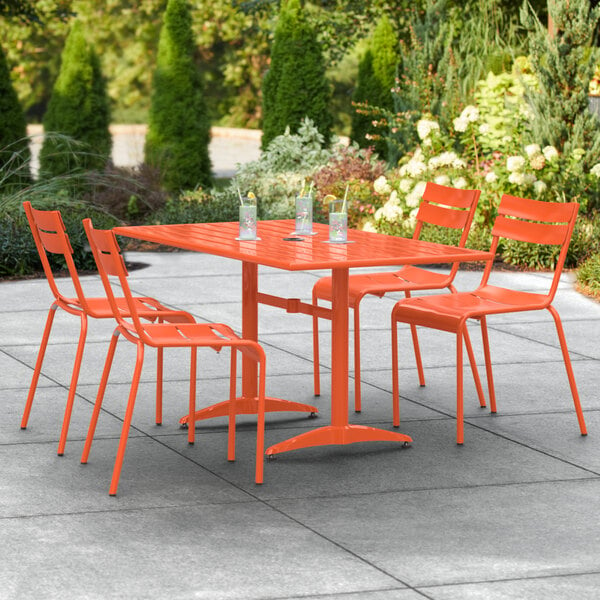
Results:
x,y
78,108
295,86
376,77
179,127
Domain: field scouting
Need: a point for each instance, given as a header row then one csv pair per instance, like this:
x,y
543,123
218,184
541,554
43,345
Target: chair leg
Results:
x,y
260,425
488,364
159,385
395,386
357,390
232,407
415,341
192,404
99,397
38,365
73,386
114,484
460,427
569,368
316,358
474,369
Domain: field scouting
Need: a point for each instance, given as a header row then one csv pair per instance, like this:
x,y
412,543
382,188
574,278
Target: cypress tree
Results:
x,y
564,64
78,108
179,127
14,145
295,86
376,78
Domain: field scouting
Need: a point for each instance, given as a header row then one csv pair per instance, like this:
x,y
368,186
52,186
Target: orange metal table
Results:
x,y
364,249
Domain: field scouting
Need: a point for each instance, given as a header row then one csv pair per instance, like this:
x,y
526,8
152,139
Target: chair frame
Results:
x,y
110,263
50,236
522,220
442,206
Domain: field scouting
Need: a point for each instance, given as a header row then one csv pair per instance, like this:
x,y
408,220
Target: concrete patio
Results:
x,y
511,514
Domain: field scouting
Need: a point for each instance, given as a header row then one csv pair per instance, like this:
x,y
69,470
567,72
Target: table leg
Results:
x,y
247,404
340,431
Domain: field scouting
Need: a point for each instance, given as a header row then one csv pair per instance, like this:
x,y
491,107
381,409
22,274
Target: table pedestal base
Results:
x,y
340,434
249,406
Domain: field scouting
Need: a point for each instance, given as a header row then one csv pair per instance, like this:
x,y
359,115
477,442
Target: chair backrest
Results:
x,y
537,222
110,263
447,207
50,236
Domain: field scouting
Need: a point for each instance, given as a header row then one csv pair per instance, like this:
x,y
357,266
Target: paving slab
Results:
x,y
243,551
465,535
564,587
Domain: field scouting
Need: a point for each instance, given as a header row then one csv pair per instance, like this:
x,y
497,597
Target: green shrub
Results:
x,y
588,275
78,109
18,254
179,127
198,206
295,86
14,145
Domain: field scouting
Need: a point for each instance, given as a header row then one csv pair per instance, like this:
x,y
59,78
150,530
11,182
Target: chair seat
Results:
x,y
378,284
147,308
448,311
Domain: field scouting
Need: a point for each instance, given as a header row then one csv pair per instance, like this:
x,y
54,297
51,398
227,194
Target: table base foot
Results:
x,y
341,434
249,406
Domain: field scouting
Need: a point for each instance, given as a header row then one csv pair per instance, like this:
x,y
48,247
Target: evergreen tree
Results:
x,y
295,86
564,64
376,77
179,127
79,109
14,145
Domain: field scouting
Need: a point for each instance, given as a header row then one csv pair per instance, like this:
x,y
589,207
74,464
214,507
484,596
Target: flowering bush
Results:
x,y
362,173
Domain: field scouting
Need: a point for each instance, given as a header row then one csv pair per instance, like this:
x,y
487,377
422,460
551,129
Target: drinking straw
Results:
x,y
345,197
302,190
240,195
310,188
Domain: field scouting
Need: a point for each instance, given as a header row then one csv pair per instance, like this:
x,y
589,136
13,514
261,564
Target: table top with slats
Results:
x,y
366,249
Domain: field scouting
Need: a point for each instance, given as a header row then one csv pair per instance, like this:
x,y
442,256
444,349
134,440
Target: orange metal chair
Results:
x,y
518,219
160,335
442,206
50,236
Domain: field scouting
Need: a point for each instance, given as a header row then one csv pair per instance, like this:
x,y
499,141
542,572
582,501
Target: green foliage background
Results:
x,y
13,142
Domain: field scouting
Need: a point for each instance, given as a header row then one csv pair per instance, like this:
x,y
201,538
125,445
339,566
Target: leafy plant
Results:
x,y
198,206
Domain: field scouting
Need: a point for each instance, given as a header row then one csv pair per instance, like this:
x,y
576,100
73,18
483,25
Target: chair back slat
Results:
x,y
449,196
535,210
443,216
525,231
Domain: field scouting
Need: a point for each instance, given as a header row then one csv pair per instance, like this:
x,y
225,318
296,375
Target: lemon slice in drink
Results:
x,y
329,198
251,196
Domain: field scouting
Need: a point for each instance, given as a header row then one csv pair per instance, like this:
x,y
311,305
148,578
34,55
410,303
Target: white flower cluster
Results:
x,y
550,153
381,186
470,114
425,127
595,170
415,167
